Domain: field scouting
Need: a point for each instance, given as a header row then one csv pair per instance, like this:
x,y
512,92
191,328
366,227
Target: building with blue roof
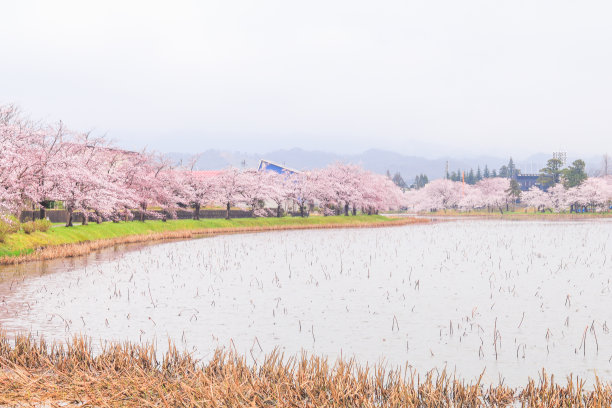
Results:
x,y
275,167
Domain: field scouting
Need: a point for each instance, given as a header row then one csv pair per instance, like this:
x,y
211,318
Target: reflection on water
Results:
x,y
510,297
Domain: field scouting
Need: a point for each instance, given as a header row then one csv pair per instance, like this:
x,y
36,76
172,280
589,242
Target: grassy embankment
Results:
x,y
33,373
62,241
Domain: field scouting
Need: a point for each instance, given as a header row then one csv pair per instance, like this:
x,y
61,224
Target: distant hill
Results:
x,y
375,160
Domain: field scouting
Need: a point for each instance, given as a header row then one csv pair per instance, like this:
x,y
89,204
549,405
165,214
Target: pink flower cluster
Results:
x,y
336,189
39,163
445,194
594,194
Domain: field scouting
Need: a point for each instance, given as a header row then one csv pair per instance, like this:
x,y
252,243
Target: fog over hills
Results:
x,y
375,160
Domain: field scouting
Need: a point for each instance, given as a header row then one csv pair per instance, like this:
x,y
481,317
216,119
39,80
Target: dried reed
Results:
x,y
34,373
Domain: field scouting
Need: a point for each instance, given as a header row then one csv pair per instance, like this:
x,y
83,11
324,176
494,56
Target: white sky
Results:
x,y
482,77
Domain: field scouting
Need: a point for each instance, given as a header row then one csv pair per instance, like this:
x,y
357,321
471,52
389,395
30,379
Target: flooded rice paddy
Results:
x,y
508,297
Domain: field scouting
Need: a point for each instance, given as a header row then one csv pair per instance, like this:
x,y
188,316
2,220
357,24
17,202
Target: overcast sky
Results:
x,y
420,77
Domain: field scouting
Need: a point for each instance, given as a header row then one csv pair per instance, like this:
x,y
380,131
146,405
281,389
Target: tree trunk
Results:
x,y
142,212
278,211
227,211
354,210
43,214
85,218
346,209
501,209
302,210
196,212
69,220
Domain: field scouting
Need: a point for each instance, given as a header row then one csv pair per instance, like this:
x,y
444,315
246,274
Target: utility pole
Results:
x,y
446,171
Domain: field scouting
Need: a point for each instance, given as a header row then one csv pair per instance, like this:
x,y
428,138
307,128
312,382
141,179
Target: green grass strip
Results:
x,y
21,243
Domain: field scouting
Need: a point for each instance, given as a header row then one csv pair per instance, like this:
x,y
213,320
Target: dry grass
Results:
x,y
33,373
83,248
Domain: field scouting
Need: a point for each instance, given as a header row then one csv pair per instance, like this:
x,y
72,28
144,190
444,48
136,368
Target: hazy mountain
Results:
x,y
375,160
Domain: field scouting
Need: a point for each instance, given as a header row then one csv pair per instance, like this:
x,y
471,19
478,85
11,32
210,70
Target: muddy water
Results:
x,y
508,297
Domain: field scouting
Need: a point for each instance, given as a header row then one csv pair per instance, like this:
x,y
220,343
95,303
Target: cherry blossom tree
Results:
x,y
494,192
412,199
278,188
46,152
471,198
326,189
593,194
339,187
17,159
441,194
229,188
82,184
151,182
536,198
255,188
558,198
301,190
348,186
378,193
200,188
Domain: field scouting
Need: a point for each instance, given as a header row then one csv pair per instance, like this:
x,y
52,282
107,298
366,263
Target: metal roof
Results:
x,y
279,168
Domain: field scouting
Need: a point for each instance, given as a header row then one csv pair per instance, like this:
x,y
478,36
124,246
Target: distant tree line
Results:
x,y
419,181
552,174
471,177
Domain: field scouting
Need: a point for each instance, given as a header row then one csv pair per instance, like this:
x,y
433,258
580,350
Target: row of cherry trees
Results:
x,y
39,163
336,189
594,194
443,194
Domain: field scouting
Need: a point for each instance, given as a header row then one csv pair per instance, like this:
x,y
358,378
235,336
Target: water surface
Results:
x,y
508,297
